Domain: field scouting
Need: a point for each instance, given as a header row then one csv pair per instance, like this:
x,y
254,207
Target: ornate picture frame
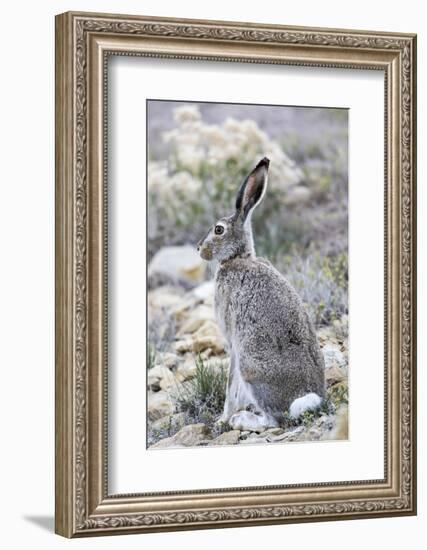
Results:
x,y
84,42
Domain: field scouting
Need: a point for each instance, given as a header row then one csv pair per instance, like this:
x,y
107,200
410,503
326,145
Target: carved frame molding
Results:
x,y
83,43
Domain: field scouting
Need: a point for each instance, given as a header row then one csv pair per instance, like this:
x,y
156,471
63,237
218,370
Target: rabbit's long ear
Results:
x,y
252,189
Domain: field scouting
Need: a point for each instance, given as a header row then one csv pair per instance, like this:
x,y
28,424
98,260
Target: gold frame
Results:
x,y
83,43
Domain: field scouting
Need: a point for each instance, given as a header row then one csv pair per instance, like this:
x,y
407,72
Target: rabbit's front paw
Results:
x,y
252,422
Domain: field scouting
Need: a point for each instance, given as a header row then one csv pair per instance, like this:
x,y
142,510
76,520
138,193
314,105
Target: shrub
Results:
x,y
338,394
321,282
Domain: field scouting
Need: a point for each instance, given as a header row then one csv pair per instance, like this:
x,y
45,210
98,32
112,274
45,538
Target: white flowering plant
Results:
x,y
197,182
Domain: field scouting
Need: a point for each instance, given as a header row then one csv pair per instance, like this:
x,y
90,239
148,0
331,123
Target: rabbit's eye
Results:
x,y
219,230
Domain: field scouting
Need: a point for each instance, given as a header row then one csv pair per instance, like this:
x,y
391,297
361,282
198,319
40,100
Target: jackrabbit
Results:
x,y
276,364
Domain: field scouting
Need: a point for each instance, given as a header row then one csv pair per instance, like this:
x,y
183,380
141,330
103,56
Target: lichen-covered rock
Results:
x,y
210,329
190,326
200,344
160,378
181,311
180,262
168,381
188,436
334,375
167,359
186,370
196,318
252,441
155,376
174,421
274,431
164,297
183,346
161,424
227,438
159,404
291,435
205,342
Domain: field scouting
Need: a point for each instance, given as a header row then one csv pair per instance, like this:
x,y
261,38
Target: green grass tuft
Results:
x,y
202,398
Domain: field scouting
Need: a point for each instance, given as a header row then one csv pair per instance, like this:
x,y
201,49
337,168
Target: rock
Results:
x,y
158,371
182,310
164,298
275,431
204,312
333,356
203,343
227,438
178,420
320,429
183,346
163,423
340,430
168,381
252,440
174,421
154,376
160,377
159,404
188,436
313,434
208,328
190,326
333,375
168,360
186,370
205,291
153,384
326,334
196,318
291,435
180,262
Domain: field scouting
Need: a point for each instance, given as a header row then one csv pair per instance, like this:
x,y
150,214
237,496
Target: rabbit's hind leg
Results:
x,y
308,402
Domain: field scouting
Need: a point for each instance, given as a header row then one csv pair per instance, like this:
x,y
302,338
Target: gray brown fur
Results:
x,y
279,353
271,339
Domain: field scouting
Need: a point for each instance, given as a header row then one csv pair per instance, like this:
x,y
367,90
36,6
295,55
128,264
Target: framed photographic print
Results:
x,y
235,274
